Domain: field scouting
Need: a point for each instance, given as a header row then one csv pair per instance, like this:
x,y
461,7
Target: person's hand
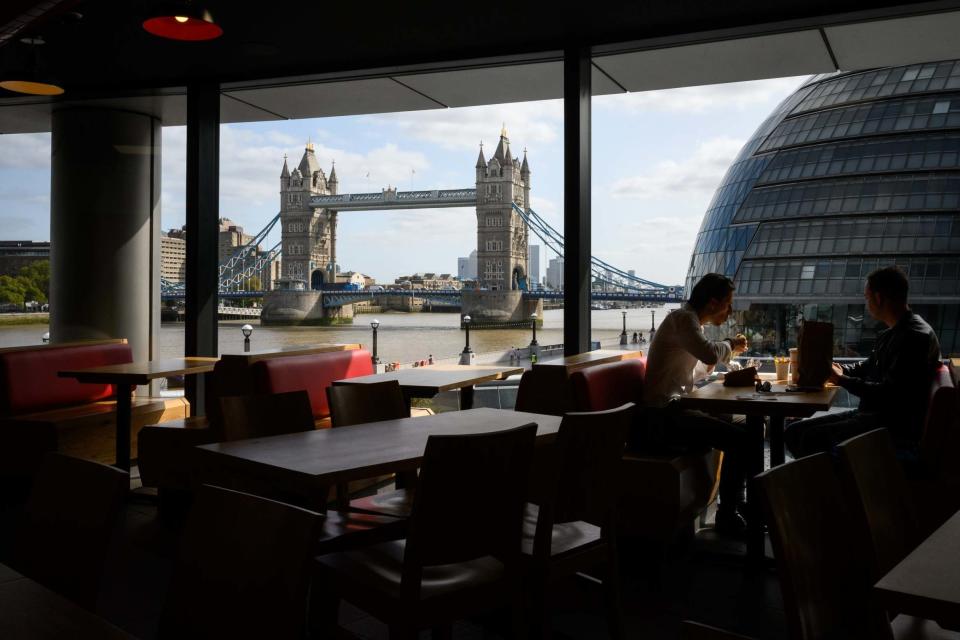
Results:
x,y
738,344
835,374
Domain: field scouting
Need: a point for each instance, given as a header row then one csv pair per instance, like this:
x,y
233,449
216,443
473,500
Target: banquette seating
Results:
x,y
662,491
42,412
164,455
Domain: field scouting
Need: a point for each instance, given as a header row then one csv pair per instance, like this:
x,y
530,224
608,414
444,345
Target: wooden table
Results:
x,y
926,583
426,382
589,359
29,610
776,405
326,457
125,377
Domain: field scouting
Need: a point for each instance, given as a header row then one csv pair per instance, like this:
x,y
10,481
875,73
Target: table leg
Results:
x,y
777,456
124,416
466,397
755,535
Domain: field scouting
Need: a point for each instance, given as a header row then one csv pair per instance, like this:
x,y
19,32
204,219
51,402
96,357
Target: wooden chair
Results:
x,y
63,539
574,526
879,497
243,569
696,631
823,564
263,415
462,553
358,404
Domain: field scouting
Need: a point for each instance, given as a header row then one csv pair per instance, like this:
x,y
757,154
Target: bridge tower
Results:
x,y
501,232
308,235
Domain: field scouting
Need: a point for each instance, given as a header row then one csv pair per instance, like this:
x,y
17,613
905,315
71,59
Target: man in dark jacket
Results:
x,y
892,383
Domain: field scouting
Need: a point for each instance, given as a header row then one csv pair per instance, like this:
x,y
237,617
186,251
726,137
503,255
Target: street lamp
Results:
x,y
375,324
533,325
467,351
247,331
623,336
652,314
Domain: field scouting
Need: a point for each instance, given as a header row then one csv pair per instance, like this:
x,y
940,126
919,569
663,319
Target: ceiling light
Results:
x,y
183,22
32,88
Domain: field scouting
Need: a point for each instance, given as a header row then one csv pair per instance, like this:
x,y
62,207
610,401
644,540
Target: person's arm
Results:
x,y
861,369
691,339
909,362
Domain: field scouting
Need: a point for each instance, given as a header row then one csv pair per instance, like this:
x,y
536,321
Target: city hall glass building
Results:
x,y
852,172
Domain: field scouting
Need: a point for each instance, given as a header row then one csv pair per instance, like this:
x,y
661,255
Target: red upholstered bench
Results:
x,y
40,411
937,485
312,373
662,494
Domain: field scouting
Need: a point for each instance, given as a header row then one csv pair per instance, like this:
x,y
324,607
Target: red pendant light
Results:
x,y
183,22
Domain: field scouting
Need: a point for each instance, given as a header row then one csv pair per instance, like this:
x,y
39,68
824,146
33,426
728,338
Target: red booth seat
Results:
x,y
29,380
661,494
40,411
312,373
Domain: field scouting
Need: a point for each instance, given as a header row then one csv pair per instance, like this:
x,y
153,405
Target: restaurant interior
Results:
x,y
306,493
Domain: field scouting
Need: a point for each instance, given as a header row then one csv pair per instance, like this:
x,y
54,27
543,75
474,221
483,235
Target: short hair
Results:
x,y
889,282
712,286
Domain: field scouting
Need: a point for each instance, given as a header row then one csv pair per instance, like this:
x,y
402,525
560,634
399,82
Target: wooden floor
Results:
x,y
696,579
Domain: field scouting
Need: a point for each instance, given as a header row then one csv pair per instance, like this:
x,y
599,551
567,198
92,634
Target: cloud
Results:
x,y
737,95
698,175
463,128
25,151
250,163
658,247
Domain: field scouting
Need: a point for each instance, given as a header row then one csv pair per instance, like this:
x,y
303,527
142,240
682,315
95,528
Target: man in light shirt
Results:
x,y
679,355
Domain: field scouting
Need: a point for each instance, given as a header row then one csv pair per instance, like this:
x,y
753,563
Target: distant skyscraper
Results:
x,y
555,273
467,267
533,265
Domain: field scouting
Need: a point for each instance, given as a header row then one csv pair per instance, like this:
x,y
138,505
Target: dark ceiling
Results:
x,y
99,48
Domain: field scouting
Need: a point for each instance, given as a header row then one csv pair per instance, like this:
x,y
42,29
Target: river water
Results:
x,y
402,337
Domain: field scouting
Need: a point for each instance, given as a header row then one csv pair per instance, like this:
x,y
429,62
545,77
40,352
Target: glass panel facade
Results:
x,y
852,172
853,196
874,234
908,114
910,153
881,83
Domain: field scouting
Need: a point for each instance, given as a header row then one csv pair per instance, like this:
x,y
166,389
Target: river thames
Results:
x,y
402,337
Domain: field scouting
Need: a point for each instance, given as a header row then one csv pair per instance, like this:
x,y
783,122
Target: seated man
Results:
x,y
678,348
892,383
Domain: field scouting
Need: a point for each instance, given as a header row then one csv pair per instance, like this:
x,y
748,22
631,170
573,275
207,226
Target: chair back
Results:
x,y
879,497
940,440
65,534
243,569
352,404
470,499
586,467
822,569
259,416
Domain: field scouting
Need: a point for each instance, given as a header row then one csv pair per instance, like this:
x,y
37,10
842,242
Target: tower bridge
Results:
x,y
309,207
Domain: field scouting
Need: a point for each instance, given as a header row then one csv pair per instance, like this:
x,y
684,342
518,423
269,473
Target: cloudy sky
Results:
x,y
657,158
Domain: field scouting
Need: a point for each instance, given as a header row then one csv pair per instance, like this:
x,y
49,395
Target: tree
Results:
x,y
12,291
36,280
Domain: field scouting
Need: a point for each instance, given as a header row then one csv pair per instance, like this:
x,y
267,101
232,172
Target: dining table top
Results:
x,y
330,456
137,373
30,610
588,359
926,584
714,397
433,379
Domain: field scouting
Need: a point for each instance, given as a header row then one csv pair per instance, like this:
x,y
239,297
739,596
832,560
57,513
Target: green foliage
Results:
x,y
38,273
12,290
